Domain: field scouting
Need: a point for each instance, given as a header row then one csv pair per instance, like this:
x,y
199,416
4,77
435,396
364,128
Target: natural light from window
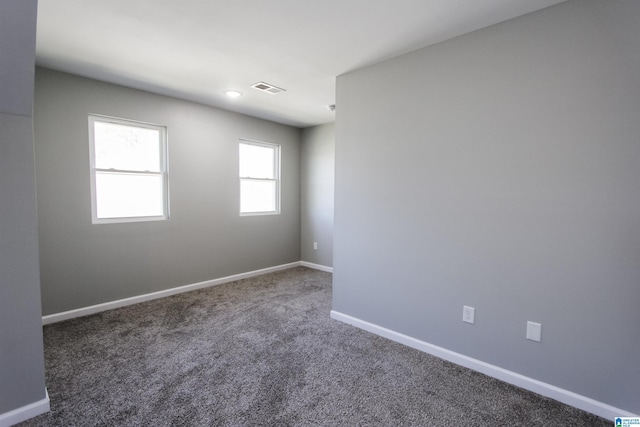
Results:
x,y
129,173
259,178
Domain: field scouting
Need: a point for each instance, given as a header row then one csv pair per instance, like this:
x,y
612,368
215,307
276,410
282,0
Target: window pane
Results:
x,y
257,196
128,195
257,161
126,147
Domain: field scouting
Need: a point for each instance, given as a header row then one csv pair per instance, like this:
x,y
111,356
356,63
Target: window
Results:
x,y
128,170
259,178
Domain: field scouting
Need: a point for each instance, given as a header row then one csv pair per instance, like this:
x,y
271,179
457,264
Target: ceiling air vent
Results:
x,y
266,87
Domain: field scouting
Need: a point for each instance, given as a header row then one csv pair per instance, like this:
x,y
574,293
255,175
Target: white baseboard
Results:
x,y
316,266
565,396
92,309
25,412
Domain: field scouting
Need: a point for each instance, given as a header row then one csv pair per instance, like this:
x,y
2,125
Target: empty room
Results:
x,y
355,212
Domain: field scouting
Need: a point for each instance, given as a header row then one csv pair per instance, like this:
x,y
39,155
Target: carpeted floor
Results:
x,y
264,352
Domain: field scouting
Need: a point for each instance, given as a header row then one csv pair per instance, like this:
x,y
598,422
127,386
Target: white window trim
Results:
x,y
277,179
164,172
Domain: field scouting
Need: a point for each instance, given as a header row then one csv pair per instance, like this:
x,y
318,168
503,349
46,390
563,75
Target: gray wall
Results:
x,y
500,170
318,167
84,264
21,354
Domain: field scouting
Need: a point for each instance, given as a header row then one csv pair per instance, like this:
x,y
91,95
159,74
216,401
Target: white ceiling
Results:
x,y
196,49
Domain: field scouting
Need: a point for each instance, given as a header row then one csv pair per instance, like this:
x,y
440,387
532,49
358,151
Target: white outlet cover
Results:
x,y
468,314
534,331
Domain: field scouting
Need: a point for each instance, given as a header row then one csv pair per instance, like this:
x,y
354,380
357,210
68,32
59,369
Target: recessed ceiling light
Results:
x,y
232,93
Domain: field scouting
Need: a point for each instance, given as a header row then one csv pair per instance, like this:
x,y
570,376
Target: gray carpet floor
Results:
x,y
264,352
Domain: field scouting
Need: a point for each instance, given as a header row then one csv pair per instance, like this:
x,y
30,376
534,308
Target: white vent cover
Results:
x,y
266,87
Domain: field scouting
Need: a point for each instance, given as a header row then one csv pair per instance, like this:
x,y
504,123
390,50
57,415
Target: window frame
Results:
x,y
276,176
163,173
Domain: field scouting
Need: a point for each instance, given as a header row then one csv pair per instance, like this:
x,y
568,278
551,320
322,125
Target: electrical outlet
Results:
x,y
468,314
534,331
315,246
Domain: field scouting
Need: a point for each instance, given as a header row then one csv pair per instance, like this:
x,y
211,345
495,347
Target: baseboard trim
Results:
x,y
565,396
92,309
316,266
25,412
